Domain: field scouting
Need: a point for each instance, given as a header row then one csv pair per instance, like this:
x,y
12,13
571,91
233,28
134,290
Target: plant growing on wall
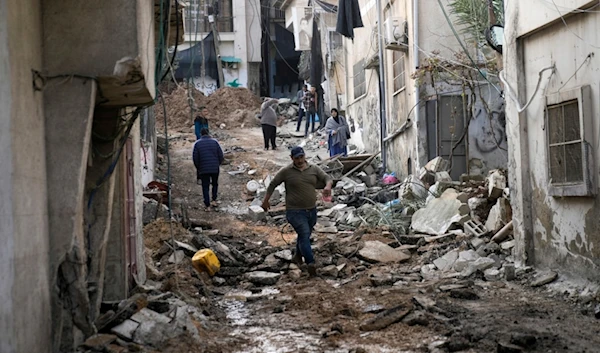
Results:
x,y
473,16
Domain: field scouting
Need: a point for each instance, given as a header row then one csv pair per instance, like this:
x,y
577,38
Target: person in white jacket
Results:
x,y
268,120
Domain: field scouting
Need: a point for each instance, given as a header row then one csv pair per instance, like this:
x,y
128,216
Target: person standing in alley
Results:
x,y
301,109
208,156
200,121
310,104
338,133
301,181
268,120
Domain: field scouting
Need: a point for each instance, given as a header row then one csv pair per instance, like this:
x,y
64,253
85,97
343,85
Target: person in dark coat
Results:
x,y
310,104
301,109
201,122
208,156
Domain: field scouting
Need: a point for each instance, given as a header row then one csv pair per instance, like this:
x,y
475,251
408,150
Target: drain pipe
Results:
x,y
382,77
417,87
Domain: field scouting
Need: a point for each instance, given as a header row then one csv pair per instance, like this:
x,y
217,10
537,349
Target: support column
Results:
x,y
69,110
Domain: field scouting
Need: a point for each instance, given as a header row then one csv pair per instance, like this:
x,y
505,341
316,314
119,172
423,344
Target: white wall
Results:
x,y
554,232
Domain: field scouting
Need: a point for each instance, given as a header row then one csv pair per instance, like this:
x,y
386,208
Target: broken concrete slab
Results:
x,y
126,329
186,248
464,258
477,243
481,264
500,215
329,271
263,277
544,278
439,215
285,255
376,251
507,245
386,318
442,176
446,262
496,184
438,164
257,213
492,274
413,189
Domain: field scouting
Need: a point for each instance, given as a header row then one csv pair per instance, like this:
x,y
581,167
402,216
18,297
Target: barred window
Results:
x,y
360,84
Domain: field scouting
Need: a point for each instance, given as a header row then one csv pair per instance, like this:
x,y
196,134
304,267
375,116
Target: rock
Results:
x,y
186,248
263,277
382,279
509,272
256,202
439,215
176,257
376,251
488,249
464,258
496,184
504,347
463,293
126,329
524,340
218,281
424,302
126,308
295,274
319,228
491,274
508,245
326,213
476,243
428,271
285,255
272,263
544,278
499,216
99,342
386,318
413,189
446,262
442,176
481,264
476,203
410,239
329,271
597,312
257,213
438,164
416,318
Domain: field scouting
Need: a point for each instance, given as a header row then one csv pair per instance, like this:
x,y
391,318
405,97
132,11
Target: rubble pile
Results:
x,y
228,108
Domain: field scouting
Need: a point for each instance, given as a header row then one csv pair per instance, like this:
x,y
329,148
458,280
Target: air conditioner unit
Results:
x,y
396,34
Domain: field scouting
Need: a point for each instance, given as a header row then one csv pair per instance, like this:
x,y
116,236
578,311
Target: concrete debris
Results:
x,y
285,255
475,228
446,262
329,271
186,248
386,318
492,274
263,278
99,342
481,264
463,293
496,184
413,189
152,210
440,214
176,257
499,216
508,245
442,176
544,278
477,243
257,213
509,271
438,164
376,251
464,259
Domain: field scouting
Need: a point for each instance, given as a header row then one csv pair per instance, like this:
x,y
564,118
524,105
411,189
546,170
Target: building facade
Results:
x,y
552,74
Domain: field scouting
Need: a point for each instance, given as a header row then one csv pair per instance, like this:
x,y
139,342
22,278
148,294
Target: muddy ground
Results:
x,y
325,314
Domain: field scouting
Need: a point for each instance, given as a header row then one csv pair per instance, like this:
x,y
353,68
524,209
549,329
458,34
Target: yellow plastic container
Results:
x,y
205,260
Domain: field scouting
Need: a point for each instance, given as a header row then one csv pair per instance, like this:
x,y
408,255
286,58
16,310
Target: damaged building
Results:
x,y
75,77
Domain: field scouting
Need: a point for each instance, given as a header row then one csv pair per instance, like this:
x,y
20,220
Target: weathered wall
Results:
x,y
24,285
542,13
560,232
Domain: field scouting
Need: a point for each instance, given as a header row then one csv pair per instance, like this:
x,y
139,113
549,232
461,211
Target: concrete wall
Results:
x,y
24,284
551,232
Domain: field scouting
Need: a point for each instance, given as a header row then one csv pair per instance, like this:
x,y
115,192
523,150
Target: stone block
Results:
x,y
474,228
438,164
476,243
442,176
445,263
481,264
176,257
508,245
464,258
263,277
544,278
257,213
499,216
376,251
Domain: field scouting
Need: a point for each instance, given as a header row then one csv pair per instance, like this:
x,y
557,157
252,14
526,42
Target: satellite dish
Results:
x,y
495,37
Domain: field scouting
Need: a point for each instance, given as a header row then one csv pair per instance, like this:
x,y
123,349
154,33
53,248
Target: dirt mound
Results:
x,y
159,231
230,106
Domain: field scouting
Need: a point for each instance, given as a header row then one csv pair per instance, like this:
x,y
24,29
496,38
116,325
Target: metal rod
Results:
x,y
382,77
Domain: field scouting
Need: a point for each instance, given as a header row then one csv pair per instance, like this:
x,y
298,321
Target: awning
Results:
x,y
231,59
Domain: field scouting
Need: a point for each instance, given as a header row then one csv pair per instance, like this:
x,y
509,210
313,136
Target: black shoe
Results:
x,y
297,259
312,269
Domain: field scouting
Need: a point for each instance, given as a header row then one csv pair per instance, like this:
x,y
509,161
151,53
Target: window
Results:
x,y
398,70
196,16
360,85
569,136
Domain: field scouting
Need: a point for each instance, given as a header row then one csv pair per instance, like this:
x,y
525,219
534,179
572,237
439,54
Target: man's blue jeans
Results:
x,y
303,222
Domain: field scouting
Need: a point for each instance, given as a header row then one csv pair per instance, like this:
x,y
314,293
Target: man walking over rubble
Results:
x,y
310,104
301,108
268,121
208,156
201,122
301,181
